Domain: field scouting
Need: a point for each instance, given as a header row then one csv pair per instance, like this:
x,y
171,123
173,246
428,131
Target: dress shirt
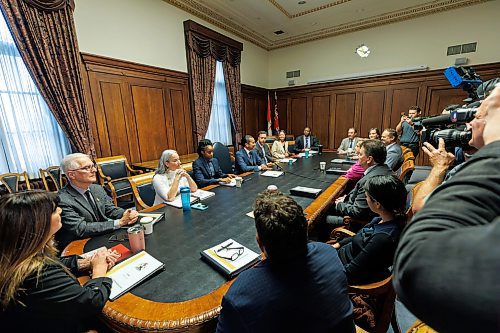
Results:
x,y
252,160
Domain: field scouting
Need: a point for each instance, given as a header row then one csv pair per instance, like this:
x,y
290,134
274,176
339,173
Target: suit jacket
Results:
x,y
308,295
267,152
78,218
56,302
300,141
244,164
278,151
394,158
202,175
355,204
344,145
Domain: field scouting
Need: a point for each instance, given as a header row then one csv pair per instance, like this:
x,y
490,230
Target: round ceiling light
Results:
x,y
363,51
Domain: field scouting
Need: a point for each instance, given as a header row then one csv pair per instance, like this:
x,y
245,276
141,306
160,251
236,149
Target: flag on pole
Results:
x,y
276,119
269,129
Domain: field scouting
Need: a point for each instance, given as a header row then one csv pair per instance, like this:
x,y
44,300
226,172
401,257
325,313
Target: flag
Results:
x,y
276,119
269,129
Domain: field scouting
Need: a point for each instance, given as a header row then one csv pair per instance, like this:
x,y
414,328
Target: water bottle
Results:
x,y
185,198
306,153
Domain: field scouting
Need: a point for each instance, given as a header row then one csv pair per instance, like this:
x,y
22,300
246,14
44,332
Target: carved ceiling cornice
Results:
x,y
209,15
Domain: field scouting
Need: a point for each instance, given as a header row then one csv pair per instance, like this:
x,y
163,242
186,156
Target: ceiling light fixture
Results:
x,y
301,2
363,51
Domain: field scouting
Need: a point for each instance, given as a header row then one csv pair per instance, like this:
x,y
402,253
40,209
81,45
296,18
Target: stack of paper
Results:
x,y
270,173
287,160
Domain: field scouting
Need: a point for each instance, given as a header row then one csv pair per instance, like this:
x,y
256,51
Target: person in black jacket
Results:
x,y
206,169
368,255
39,292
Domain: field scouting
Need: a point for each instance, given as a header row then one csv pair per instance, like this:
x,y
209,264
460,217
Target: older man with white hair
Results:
x,y
86,208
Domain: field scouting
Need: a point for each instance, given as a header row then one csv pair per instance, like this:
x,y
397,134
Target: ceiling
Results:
x,y
257,20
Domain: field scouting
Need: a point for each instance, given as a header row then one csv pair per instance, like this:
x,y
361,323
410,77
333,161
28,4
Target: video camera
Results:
x,y
451,128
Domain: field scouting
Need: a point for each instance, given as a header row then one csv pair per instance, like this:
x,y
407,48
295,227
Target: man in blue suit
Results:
x,y
301,286
247,159
206,169
394,158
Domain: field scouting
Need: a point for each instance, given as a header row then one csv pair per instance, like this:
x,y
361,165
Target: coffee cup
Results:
x,y
136,238
238,181
147,224
322,166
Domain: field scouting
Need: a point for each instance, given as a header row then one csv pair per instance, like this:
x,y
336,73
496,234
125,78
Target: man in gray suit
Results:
x,y
348,144
372,159
262,148
394,158
86,208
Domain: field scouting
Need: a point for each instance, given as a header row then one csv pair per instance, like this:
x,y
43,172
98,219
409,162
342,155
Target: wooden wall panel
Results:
x,y
137,110
320,115
254,109
371,102
344,118
372,110
298,115
150,121
282,114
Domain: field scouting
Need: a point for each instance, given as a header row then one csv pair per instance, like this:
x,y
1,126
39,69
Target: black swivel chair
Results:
x,y
221,153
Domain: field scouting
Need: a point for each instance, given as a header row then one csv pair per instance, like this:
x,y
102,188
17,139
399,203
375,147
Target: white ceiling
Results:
x,y
257,20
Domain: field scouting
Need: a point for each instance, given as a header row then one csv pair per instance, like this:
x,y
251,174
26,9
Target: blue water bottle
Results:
x,y
185,198
306,153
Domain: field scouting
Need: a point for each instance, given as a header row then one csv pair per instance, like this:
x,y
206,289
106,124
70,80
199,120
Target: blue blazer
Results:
x,y
244,164
202,175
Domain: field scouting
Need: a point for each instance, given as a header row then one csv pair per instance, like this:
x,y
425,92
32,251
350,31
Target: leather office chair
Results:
x,y
113,173
291,146
52,178
12,181
385,312
142,188
406,171
221,153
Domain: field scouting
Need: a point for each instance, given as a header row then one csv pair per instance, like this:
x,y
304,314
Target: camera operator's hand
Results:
x,y
439,157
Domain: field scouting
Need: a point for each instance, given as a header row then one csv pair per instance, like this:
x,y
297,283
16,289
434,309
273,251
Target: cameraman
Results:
x,y
448,259
409,137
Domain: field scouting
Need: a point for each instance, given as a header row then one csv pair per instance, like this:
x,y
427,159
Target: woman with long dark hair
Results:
x,y
38,292
368,255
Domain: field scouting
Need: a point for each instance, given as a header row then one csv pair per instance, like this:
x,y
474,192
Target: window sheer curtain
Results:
x,y
30,137
219,127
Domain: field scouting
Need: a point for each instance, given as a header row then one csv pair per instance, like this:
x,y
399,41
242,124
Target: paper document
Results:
x,y
311,152
231,184
156,216
202,194
270,173
250,214
287,160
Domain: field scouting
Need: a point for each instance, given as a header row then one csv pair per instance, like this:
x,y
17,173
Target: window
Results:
x,y
219,127
30,137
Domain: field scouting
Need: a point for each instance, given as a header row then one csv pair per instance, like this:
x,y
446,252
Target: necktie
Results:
x,y
90,199
264,154
307,142
350,143
250,158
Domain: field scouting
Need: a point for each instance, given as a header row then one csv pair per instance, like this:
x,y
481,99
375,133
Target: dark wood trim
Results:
x,y
190,25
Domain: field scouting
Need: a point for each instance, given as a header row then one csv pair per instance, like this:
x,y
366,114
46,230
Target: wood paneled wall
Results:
x,y
133,109
330,109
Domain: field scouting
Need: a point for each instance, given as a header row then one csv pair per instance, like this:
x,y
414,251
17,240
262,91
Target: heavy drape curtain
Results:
x,y
44,33
203,53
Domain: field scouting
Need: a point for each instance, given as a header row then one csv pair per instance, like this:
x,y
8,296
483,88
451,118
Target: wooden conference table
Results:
x,y
186,296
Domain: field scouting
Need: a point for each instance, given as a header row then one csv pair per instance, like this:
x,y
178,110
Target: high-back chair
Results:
x,y
114,172
52,178
221,153
13,180
142,188
406,170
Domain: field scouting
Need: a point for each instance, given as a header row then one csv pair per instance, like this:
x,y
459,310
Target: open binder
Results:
x,y
131,272
230,258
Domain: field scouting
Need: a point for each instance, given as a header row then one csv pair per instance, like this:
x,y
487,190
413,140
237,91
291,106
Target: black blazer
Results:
x,y
56,302
299,142
78,218
202,175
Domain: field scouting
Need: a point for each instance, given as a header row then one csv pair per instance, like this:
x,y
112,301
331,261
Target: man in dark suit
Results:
x,y
206,169
247,159
306,141
299,287
262,148
86,208
372,157
394,158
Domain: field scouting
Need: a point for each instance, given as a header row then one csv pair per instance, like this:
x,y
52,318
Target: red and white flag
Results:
x,y
276,118
269,129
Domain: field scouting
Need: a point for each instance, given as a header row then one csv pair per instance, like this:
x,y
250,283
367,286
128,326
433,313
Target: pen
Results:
x,y
247,179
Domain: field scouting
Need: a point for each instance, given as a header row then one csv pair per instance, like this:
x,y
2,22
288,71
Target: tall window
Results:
x,y
30,137
219,128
